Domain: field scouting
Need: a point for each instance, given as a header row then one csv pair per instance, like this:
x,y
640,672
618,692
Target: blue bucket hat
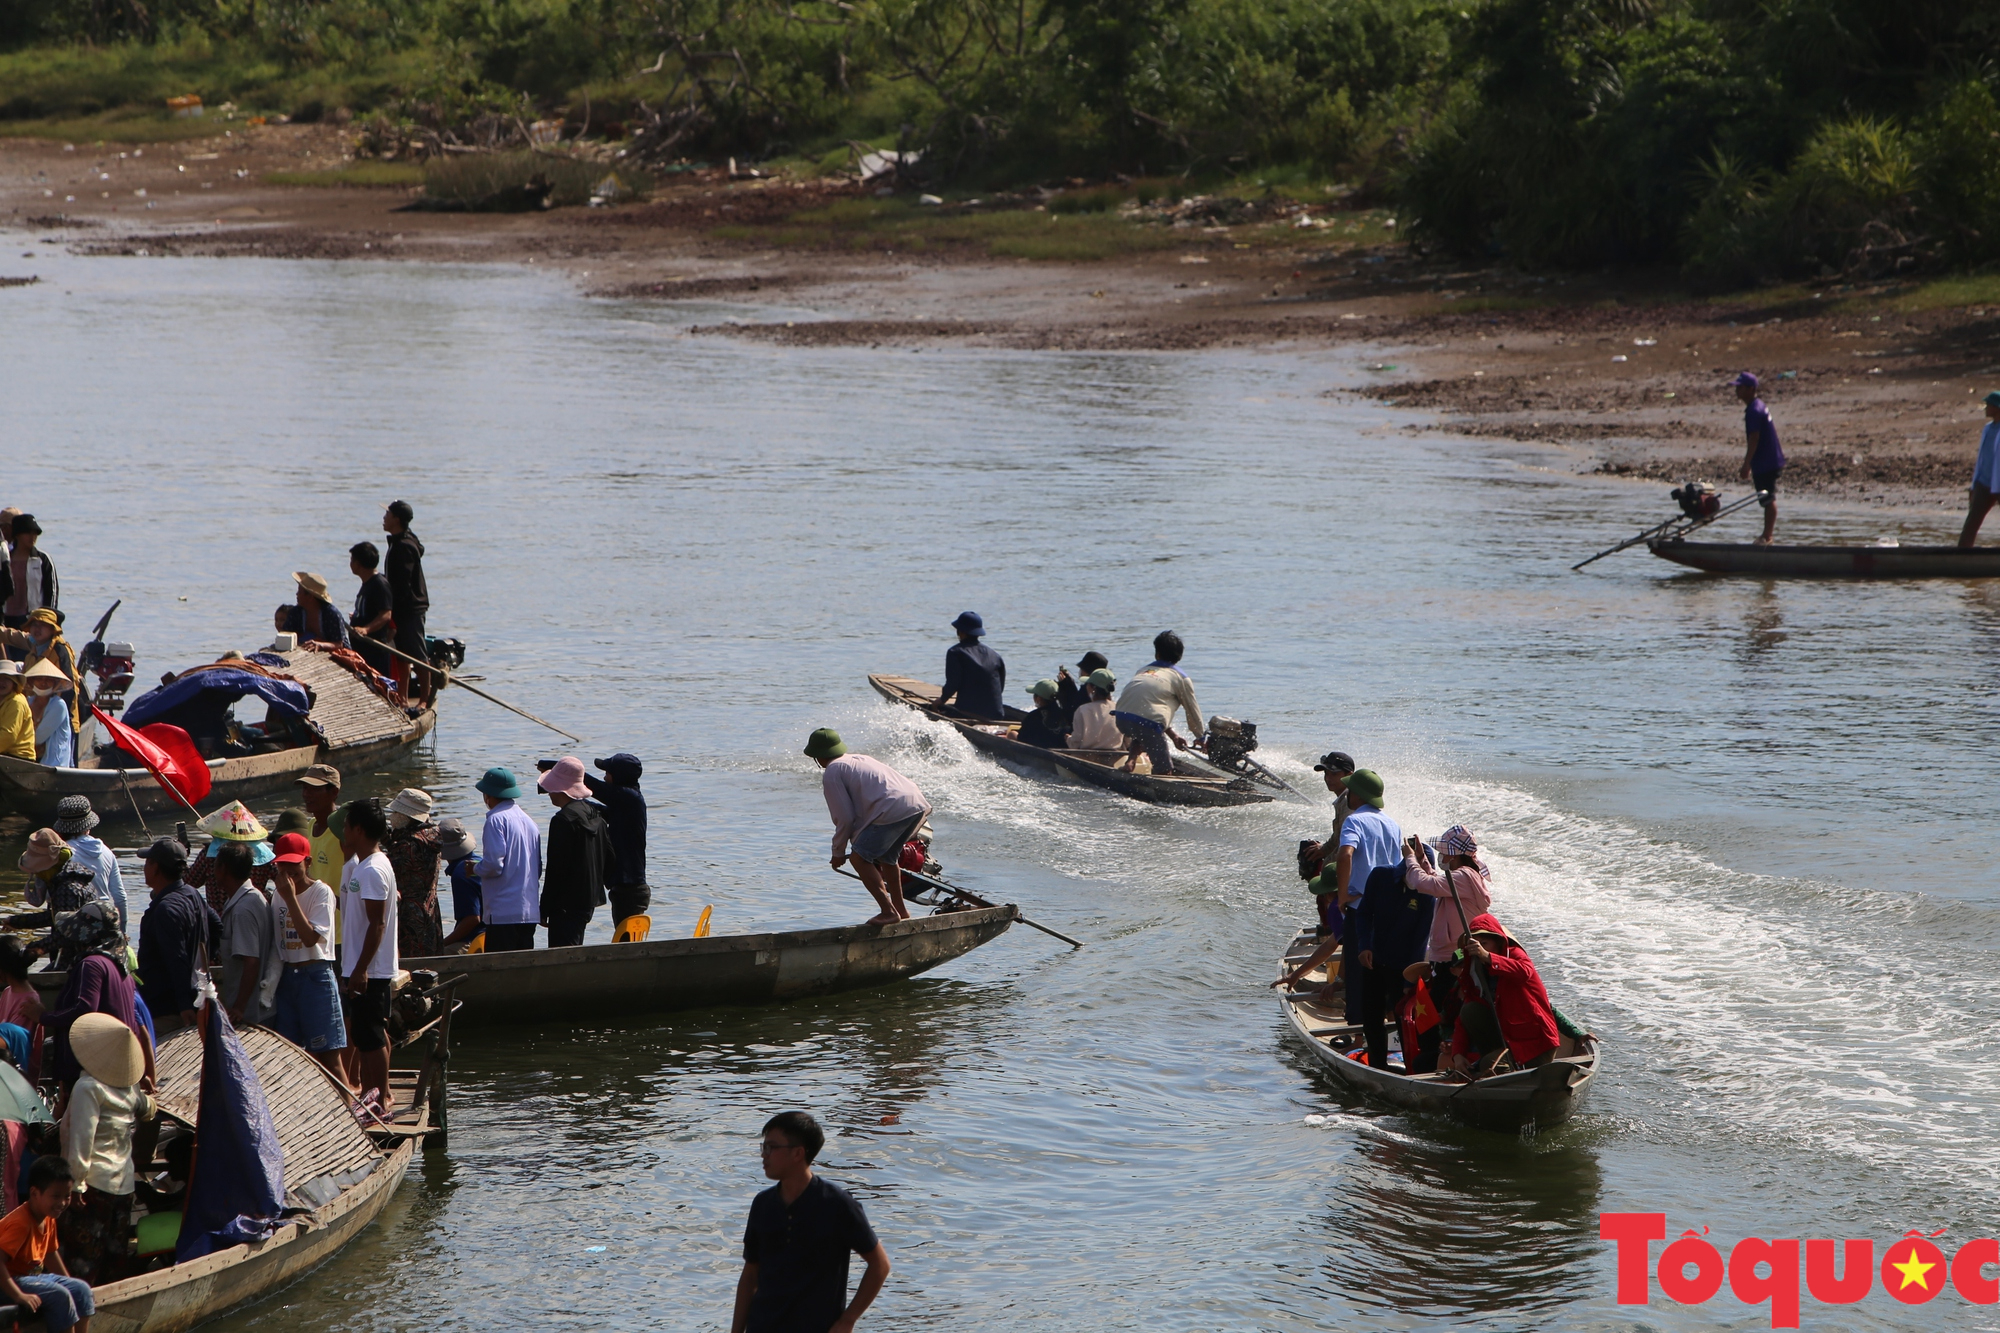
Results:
x,y
499,783
968,622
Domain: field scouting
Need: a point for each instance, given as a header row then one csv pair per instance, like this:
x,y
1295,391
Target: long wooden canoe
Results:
x,y
1833,562
327,1156
1544,1097
657,976
1099,768
358,728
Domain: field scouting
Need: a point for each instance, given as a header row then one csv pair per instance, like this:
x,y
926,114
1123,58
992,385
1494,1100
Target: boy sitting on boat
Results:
x,y
34,1277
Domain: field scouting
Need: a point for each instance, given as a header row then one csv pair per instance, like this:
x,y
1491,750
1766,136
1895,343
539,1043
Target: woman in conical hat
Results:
x,y
55,734
105,1108
232,823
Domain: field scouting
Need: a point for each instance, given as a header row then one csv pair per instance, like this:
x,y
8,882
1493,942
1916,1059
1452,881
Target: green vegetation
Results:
x,y
378,175
1782,141
515,182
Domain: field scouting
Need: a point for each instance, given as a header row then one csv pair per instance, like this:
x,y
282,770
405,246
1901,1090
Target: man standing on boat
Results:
x,y
177,928
625,807
973,673
1985,473
510,865
410,600
1335,766
1370,844
796,1246
1763,459
1145,711
876,809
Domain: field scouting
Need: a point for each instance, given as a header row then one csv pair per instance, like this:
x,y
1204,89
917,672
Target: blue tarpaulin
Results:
x,y
237,1191
158,705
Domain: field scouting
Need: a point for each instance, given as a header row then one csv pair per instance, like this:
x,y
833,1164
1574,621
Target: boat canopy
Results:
x,y
213,689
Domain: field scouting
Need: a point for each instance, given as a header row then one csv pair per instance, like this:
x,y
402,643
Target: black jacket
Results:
x,y
1392,920
409,595
625,808
578,853
51,586
1044,727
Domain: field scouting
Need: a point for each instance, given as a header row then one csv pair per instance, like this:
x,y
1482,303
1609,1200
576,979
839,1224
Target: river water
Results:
x,y
1743,827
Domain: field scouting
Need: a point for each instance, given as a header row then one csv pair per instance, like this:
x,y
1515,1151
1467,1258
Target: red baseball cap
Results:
x,y
292,849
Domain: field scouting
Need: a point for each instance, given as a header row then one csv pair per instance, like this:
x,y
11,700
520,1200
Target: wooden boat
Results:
x,y
356,728
332,1166
1099,768
1507,1101
656,976
1833,562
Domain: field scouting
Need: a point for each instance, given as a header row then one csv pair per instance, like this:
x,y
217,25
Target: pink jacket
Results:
x,y
1445,925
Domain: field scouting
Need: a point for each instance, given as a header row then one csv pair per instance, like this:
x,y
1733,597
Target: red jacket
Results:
x,y
1520,1001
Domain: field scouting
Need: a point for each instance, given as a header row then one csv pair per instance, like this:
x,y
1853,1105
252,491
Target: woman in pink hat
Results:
x,y
579,851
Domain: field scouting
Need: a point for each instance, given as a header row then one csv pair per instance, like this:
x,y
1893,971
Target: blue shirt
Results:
x,y
1377,841
467,894
1768,457
1986,472
510,869
974,679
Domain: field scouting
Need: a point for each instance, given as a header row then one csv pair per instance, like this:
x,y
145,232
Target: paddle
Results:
x,y
966,895
1671,528
450,679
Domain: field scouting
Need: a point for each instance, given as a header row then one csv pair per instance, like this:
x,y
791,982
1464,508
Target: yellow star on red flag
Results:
x,y
1913,1270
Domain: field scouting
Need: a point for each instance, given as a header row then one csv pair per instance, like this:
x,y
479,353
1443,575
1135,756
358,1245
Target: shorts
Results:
x,y
883,843
367,1015
1766,482
307,1011
65,1300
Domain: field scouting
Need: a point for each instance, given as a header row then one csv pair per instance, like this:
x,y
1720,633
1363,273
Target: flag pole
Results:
x,y
158,776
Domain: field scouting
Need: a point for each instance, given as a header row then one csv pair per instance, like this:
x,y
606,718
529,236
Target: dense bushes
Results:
x,y
1741,142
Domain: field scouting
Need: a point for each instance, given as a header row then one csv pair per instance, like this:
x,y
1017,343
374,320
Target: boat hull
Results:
x,y
1543,1097
184,1295
658,976
1096,767
1833,562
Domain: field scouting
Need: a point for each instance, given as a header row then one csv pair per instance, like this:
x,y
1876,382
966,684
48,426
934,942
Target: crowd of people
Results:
x,y
391,604
1086,711
1419,946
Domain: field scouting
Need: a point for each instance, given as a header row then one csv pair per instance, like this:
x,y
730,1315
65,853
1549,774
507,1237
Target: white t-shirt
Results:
x,y
316,902
365,880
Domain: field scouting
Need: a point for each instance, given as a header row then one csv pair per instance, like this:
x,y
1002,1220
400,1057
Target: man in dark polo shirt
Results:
x,y
795,1249
974,674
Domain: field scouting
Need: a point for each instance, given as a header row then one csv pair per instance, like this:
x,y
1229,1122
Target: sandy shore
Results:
x,y
1876,404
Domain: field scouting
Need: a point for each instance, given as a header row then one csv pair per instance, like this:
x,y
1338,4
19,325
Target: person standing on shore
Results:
x,y
510,865
410,600
1763,458
974,674
874,807
1985,473
795,1247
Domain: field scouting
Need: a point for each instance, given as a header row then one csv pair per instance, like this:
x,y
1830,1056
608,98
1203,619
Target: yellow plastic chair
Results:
x,y
701,922
633,929
478,944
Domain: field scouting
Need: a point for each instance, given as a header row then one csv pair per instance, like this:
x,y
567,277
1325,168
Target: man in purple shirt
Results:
x,y
876,809
1763,460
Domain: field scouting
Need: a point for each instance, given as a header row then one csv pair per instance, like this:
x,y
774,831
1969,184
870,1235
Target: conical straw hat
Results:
x,y
107,1050
234,823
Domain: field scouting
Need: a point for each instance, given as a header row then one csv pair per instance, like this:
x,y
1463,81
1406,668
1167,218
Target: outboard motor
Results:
x,y
1698,500
447,653
112,664
1230,742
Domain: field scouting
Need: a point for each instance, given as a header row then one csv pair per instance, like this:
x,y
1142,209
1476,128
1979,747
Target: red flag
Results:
x,y
1422,1011
167,752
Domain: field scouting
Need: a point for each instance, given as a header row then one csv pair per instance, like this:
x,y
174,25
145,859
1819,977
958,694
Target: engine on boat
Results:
x,y
1230,741
113,665
1697,499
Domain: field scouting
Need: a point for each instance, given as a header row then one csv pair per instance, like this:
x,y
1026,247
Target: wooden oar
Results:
x,y
450,679
975,900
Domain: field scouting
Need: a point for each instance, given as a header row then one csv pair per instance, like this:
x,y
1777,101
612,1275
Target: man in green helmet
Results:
x,y
876,810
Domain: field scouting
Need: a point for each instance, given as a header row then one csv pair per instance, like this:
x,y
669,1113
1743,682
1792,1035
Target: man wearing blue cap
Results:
x,y
1985,473
510,865
974,673
1763,459
625,805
